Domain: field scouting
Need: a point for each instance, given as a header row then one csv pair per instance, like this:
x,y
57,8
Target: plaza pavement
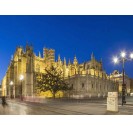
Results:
x,y
65,107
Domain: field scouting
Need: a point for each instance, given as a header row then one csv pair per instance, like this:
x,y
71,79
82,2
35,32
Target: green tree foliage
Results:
x,y
52,80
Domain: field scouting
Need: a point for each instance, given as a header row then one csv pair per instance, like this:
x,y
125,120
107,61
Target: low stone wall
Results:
x,y
72,97
93,95
35,99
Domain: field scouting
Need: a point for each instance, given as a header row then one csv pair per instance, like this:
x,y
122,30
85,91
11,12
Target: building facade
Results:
x,y
0,91
87,79
118,77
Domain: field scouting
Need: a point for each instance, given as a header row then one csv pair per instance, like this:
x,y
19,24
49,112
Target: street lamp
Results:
x,y
21,78
11,84
123,59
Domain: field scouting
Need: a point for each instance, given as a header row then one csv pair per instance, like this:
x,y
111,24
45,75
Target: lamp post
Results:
x,y
123,59
11,84
21,78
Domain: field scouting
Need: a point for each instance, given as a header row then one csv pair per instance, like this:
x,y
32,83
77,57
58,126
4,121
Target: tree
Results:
x,y
53,81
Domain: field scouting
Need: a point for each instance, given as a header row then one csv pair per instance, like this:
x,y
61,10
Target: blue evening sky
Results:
x,y
105,36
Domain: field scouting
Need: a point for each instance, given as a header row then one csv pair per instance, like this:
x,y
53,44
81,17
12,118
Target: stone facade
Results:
x,y
4,87
118,77
90,86
87,79
0,91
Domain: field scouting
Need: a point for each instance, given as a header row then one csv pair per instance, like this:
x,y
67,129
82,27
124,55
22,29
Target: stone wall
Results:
x,y
90,86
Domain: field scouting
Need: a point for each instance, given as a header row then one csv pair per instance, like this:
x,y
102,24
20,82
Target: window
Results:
x,y
83,85
92,85
72,86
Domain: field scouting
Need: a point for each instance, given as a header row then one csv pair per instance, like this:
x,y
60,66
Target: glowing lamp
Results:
x,y
123,54
115,60
131,55
11,83
21,77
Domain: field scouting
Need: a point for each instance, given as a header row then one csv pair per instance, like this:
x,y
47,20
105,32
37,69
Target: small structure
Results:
x,y
118,77
112,101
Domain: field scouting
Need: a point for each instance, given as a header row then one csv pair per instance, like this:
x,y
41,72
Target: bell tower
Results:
x,y
49,55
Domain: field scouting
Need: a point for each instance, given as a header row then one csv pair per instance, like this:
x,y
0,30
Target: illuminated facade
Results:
x,y
117,76
87,79
0,91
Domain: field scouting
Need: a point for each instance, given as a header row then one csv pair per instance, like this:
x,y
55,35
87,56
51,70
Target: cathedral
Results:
x,y
88,79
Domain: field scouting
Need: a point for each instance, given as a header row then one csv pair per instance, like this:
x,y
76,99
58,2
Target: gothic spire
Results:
x,y
101,61
39,54
92,56
75,61
69,62
64,61
11,58
59,58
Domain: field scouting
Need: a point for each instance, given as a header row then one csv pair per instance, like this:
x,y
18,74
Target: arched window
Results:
x,y
72,85
88,66
83,85
92,85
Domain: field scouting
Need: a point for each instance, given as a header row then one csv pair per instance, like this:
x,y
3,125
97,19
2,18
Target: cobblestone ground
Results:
x,y
64,107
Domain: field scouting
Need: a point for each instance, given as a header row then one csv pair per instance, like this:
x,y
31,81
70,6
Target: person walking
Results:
x,y
4,101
